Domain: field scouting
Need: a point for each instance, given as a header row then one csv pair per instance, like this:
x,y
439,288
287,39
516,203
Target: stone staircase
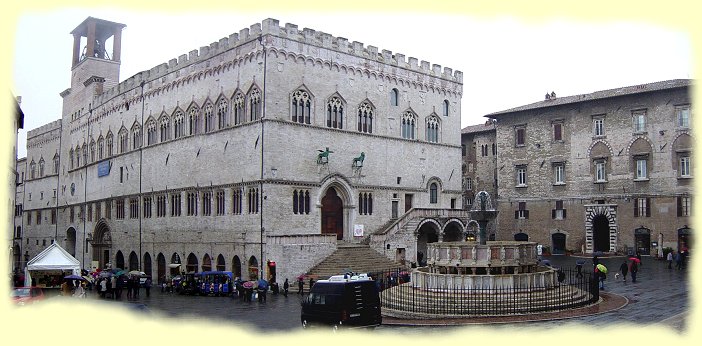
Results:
x,y
358,258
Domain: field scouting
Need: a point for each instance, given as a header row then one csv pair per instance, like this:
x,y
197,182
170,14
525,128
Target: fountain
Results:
x,y
462,278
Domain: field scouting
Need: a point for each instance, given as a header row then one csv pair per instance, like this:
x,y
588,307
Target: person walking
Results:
x,y
678,260
633,268
311,283
300,285
670,259
286,285
624,269
147,287
601,272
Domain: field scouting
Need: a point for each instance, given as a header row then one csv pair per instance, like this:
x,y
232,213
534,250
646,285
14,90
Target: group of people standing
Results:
x,y
113,286
680,258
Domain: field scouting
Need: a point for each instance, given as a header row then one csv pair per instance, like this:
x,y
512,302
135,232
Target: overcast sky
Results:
x,y
506,61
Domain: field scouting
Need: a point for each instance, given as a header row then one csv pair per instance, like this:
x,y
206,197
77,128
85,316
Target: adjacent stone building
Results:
x,y
255,154
609,171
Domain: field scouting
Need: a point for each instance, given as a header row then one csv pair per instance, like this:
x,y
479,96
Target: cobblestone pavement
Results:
x,y
660,296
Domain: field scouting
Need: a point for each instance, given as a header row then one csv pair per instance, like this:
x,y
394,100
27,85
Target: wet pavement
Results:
x,y
660,296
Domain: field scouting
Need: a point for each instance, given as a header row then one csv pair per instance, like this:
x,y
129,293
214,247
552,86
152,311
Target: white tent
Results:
x,y
53,257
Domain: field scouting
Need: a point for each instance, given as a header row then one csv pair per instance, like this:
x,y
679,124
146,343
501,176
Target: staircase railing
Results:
x,y
383,233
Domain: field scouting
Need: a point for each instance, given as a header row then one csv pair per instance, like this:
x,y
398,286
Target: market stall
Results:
x,y
50,266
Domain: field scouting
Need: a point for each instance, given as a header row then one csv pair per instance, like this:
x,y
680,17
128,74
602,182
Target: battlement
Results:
x,y
290,31
54,125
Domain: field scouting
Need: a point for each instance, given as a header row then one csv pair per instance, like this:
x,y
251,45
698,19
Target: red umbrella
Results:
x,y
634,259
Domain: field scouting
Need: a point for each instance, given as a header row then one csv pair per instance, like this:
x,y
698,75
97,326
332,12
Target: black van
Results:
x,y
342,301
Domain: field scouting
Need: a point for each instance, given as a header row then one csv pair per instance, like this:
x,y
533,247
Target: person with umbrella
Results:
x,y
601,272
634,267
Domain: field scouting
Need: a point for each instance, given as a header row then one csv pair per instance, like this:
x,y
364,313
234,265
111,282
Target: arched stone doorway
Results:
x,y
521,236
102,243
206,263
684,239
191,264
236,267
642,239
71,241
133,261
119,260
161,268
175,264
600,233
453,231
147,265
253,268
558,243
333,214
600,228
221,266
427,233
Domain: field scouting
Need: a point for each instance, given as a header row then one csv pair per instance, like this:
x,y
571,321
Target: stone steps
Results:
x,y
357,258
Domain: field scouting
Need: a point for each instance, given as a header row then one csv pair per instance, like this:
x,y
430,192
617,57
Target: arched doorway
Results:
x,y
206,263
161,268
147,265
558,243
133,261
253,268
220,263
175,264
428,233
642,239
684,239
600,233
119,260
453,231
521,236
236,267
71,241
191,264
333,214
102,244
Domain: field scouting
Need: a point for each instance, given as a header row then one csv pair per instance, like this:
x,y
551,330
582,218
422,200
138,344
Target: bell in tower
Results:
x,y
97,33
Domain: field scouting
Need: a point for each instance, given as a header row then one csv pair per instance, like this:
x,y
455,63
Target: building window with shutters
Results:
x,y
38,217
684,205
520,136
559,213
682,113
642,207
521,176
252,199
522,213
108,208
53,216
557,131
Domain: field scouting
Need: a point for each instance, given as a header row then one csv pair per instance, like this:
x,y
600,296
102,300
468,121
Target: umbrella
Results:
x,y
120,273
638,261
248,284
602,268
88,278
137,273
105,274
73,277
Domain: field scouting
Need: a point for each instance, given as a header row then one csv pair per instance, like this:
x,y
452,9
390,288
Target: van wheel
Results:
x,y
304,324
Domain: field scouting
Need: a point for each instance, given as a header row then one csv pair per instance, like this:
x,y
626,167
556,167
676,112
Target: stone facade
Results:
x,y
608,171
240,126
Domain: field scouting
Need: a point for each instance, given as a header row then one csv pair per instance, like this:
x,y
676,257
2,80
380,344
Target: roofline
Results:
x,y
579,98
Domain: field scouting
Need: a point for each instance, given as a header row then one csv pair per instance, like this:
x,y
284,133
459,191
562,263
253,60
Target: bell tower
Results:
x,y
96,32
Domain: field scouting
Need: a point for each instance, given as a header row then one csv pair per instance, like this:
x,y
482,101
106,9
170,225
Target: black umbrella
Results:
x,y
74,277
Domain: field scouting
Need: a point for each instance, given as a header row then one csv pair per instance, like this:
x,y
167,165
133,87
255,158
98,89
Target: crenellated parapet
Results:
x,y
44,134
246,42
